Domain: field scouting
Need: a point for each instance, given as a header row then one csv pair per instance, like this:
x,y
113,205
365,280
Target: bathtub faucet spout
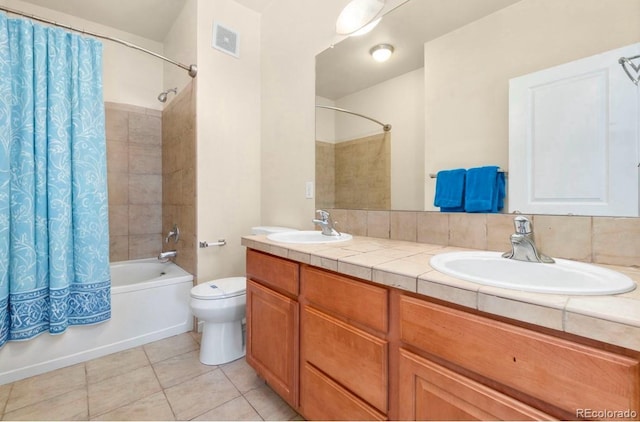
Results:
x,y
166,256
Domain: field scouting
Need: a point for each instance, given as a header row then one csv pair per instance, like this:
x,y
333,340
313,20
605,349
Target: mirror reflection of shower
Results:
x,y
162,97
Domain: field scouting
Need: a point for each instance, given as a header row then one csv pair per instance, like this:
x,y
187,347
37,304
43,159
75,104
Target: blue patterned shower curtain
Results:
x,y
54,235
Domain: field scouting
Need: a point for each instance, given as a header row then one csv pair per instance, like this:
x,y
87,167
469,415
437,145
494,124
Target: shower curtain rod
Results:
x,y
191,69
385,127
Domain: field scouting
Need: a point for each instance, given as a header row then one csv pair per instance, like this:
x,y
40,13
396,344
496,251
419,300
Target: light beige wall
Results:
x,y
293,32
467,72
228,137
130,76
181,44
400,103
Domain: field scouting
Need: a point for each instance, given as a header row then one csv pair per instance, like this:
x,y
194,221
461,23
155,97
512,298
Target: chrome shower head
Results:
x,y
162,97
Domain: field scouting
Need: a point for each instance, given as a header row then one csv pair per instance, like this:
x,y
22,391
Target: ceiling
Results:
x,y
151,19
347,67
341,70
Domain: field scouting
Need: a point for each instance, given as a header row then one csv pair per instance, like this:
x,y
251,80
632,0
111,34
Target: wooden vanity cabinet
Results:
x,y
340,348
344,351
553,372
272,322
431,392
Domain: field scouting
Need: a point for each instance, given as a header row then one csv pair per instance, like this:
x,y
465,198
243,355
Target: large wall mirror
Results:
x,y
444,91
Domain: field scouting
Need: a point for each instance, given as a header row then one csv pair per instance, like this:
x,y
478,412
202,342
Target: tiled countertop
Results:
x,y
613,319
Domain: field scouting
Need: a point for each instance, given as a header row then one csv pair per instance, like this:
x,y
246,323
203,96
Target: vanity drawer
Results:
x,y
358,302
565,374
353,358
278,273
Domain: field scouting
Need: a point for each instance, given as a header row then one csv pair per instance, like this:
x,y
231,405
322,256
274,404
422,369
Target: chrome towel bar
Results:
x,y
205,244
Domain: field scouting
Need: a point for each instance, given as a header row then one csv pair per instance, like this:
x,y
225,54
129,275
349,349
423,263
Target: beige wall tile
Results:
x,y
566,237
118,248
145,129
145,245
117,157
144,219
468,230
356,222
145,189
378,224
118,187
116,124
433,227
499,230
134,162
616,240
403,226
179,176
118,220
363,173
145,159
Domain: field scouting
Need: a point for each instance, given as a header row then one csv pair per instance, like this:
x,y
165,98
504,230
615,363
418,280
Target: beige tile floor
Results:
x,y
163,380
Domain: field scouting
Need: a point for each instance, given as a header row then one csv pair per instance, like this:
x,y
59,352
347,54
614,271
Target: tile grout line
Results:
x,y
164,393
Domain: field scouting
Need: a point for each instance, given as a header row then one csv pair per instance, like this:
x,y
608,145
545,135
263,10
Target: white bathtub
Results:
x,y
149,302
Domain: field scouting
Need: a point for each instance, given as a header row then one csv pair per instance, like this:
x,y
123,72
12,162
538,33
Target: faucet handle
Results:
x,y
522,225
324,215
175,233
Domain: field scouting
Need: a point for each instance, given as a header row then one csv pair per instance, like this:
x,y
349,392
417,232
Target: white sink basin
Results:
x,y
308,237
563,277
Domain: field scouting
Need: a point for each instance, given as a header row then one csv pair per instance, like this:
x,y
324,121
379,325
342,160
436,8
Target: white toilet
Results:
x,y
220,305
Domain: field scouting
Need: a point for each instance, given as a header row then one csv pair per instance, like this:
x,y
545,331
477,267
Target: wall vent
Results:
x,y
226,39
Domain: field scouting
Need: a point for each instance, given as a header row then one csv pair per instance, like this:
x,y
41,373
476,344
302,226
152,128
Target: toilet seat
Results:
x,y
223,288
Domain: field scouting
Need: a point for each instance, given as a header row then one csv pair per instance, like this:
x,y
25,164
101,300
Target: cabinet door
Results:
x,y
431,392
568,375
272,339
321,398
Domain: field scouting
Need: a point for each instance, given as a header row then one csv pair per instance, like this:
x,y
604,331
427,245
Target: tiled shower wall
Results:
x,y
355,173
601,240
179,175
134,169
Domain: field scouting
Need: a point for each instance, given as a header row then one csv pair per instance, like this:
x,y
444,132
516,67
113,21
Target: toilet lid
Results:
x,y
220,289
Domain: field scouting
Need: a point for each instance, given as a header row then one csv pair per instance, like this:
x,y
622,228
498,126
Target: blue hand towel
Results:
x,y
484,189
450,190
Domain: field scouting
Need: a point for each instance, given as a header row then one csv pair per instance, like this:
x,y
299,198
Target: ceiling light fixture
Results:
x,y
381,52
358,14
366,29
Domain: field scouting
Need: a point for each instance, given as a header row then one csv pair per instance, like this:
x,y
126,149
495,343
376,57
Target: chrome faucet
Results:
x,y
523,247
324,221
166,256
173,233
